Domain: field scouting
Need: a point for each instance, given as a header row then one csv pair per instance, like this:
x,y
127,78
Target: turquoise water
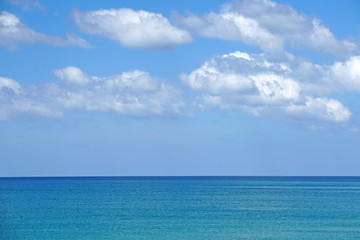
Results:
x,y
180,208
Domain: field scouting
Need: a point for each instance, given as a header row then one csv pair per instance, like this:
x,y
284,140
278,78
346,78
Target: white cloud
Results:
x,y
72,75
292,89
232,26
347,73
13,32
274,88
131,28
255,84
133,93
322,108
15,99
9,84
267,25
207,78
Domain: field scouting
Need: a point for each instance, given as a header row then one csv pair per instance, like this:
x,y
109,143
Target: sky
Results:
x,y
179,88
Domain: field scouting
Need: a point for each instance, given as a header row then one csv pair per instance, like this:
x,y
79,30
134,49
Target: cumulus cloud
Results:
x,y
133,93
72,75
13,32
258,85
267,25
347,73
131,28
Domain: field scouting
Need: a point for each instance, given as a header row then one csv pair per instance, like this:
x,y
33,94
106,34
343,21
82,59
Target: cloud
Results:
x,y
137,29
293,88
231,26
27,4
134,93
267,25
72,75
347,73
8,83
15,99
321,108
13,32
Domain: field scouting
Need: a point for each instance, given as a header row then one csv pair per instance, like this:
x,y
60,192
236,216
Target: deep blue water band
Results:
x,y
180,208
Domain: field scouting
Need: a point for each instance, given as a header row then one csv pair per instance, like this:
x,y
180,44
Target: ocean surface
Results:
x,y
180,208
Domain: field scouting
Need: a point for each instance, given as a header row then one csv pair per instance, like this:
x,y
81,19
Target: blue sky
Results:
x,y
110,88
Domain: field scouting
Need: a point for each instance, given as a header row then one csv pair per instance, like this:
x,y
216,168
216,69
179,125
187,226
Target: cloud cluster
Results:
x,y
133,93
132,28
265,84
272,27
267,25
14,32
292,88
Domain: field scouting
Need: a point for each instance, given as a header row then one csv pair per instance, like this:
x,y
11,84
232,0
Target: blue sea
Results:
x,y
180,208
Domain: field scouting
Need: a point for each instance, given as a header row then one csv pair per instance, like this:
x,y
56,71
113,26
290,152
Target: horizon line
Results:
x,y
191,176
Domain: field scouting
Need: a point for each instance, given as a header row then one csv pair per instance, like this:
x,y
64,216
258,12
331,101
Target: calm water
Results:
x,y
179,208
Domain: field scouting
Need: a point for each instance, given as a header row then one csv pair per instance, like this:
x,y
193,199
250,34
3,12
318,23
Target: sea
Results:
x,y
101,208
